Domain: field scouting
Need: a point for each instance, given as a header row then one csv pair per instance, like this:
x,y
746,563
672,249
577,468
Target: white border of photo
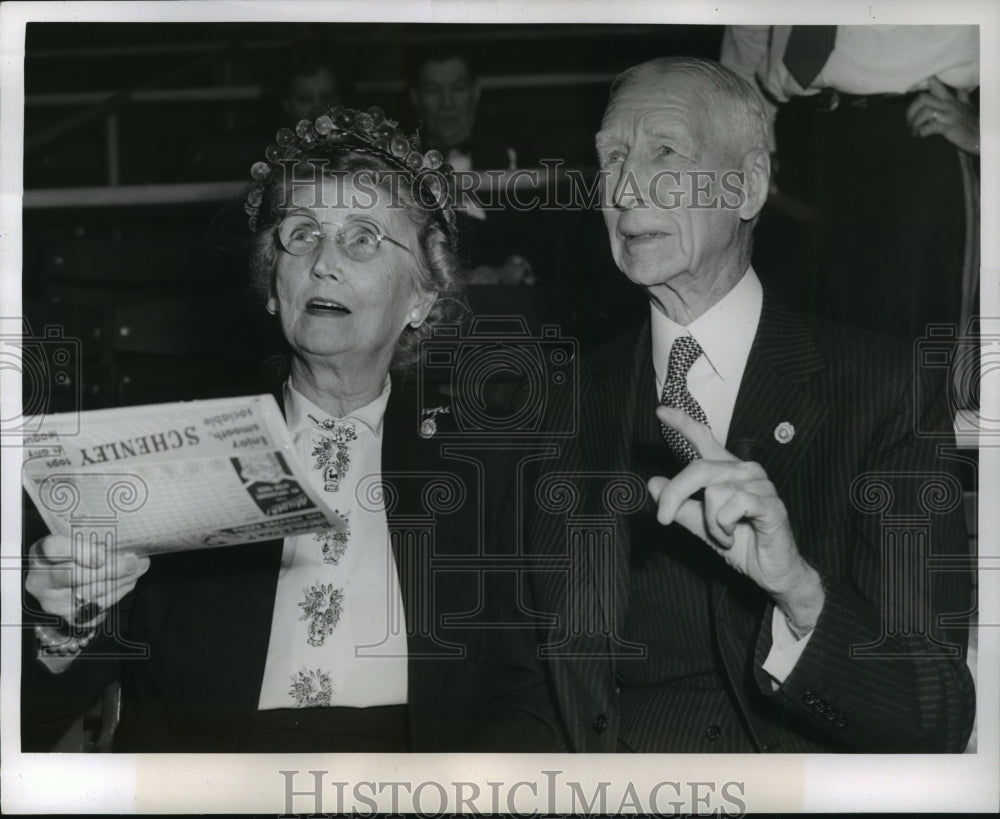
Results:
x,y
81,783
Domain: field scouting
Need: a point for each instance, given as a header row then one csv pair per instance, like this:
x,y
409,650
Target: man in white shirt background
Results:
x,y
876,142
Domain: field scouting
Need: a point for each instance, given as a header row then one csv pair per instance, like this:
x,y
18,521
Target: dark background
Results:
x,y
156,293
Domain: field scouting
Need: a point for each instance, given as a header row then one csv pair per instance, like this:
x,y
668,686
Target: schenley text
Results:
x,y
144,445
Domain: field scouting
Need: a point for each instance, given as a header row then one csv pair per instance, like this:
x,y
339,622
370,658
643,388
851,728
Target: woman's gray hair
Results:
x,y
438,270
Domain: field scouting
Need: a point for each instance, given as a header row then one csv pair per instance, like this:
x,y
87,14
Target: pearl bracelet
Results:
x,y
53,642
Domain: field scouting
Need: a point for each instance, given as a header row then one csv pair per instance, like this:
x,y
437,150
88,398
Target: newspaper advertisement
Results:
x,y
172,477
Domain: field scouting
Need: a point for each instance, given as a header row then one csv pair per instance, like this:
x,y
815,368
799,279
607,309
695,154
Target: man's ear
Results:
x,y
476,88
756,182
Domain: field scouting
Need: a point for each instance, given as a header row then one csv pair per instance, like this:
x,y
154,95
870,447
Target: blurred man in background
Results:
x,y
445,94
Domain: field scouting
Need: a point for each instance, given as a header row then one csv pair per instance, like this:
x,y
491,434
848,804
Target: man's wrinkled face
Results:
x,y
446,97
665,148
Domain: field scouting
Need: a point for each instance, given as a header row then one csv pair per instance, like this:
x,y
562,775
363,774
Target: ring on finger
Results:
x,y
87,612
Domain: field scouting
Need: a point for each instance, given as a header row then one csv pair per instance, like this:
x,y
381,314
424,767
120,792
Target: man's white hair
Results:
x,y
747,116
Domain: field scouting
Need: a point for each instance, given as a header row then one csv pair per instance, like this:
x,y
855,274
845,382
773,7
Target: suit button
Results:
x,y
713,732
809,698
600,723
841,722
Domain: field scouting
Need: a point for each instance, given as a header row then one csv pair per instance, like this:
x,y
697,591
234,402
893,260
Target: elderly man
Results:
x,y
759,599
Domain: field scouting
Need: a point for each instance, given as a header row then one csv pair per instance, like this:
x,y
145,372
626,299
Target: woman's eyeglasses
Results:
x,y
302,235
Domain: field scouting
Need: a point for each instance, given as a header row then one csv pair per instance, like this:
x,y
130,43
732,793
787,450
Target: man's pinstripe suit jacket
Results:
x,y
875,507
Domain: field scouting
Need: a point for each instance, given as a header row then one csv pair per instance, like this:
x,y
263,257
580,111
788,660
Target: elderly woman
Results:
x,y
336,640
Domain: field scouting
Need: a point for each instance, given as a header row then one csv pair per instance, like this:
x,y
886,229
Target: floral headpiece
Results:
x,y
369,132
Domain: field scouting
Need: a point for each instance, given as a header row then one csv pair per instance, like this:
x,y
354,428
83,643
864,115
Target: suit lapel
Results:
x,y
399,453
409,462
775,417
625,381
774,420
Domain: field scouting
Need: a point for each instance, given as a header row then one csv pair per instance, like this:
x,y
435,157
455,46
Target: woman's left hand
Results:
x,y
938,111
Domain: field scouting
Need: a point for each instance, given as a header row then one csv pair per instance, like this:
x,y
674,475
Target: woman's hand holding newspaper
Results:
x,y
79,582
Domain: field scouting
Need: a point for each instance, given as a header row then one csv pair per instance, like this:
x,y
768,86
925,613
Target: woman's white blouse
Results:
x,y
338,635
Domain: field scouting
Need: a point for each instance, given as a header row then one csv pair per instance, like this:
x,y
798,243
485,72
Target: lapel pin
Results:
x,y
784,432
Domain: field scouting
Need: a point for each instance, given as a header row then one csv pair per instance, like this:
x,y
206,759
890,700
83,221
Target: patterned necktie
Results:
x,y
683,354
807,50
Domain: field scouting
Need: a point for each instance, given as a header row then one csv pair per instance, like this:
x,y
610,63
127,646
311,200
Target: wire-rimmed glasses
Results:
x,y
301,235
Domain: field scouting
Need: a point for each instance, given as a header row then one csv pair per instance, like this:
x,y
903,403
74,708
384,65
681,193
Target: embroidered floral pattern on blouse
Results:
x,y
334,540
322,608
311,689
331,453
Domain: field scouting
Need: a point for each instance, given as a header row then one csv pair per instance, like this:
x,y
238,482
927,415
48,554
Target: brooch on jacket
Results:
x,y
332,453
428,426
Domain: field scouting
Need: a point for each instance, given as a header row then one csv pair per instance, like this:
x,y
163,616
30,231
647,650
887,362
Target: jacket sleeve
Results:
x,y
885,667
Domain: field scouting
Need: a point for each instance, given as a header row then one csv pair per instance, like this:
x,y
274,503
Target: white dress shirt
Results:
x,y
874,59
336,636
725,333
865,59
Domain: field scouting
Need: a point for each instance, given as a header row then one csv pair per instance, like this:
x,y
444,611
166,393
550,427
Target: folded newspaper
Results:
x,y
171,477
